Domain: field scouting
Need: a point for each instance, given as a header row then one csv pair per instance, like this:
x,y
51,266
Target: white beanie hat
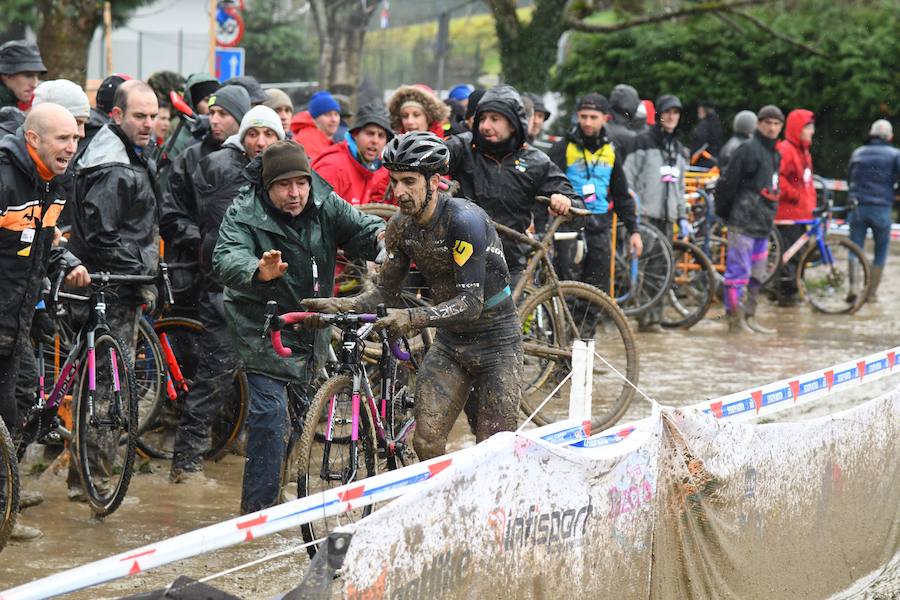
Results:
x,y
66,93
261,116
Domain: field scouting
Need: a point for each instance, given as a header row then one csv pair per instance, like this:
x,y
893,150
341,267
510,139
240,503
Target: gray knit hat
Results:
x,y
277,99
19,56
744,122
233,99
770,111
65,93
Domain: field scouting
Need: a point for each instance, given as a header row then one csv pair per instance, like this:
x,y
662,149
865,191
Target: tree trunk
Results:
x,y
64,36
341,26
527,52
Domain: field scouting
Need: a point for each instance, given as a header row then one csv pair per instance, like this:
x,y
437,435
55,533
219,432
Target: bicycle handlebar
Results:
x,y
278,322
578,212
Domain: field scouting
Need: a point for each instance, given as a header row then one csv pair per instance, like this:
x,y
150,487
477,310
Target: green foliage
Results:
x,y
280,45
855,83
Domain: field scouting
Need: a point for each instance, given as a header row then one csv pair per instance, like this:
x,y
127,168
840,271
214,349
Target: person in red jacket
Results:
x,y
797,198
353,167
314,127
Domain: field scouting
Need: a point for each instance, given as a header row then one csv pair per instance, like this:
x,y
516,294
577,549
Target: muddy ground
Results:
x,y
677,368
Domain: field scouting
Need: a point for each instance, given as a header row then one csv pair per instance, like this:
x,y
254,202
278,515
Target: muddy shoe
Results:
x,y
186,475
758,327
650,327
737,323
27,499
23,533
77,494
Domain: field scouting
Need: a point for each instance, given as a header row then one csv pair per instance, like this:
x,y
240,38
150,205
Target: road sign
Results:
x,y
229,63
230,25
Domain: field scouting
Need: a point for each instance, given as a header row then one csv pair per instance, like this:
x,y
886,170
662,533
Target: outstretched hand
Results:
x,y
270,266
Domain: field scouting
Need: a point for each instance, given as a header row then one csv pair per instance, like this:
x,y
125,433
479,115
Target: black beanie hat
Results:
x,y
200,90
283,160
233,99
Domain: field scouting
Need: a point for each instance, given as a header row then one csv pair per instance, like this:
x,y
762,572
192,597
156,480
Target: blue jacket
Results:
x,y
874,171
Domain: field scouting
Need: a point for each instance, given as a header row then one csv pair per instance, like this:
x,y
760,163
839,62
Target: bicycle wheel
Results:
x,y
9,485
106,421
149,376
297,408
158,438
548,333
379,209
837,280
641,288
322,466
773,260
693,287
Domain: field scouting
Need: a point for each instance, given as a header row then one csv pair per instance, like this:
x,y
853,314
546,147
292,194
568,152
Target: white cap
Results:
x,y
882,128
261,116
65,93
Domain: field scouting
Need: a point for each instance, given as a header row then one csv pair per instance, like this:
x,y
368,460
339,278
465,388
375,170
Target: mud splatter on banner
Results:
x,y
691,507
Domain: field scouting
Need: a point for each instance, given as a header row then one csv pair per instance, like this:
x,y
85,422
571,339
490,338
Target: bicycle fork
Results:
x,y
115,414
349,473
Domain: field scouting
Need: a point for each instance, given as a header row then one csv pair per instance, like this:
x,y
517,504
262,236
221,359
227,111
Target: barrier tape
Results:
x,y
842,227
748,404
773,397
246,528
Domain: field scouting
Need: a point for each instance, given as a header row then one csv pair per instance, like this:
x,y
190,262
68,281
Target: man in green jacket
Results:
x,y
278,241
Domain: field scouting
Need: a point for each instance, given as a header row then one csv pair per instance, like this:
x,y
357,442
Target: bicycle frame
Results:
x,y
541,256
82,351
351,361
815,229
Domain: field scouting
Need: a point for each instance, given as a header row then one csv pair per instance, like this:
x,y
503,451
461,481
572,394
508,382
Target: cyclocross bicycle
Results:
x,y
833,273
348,433
105,407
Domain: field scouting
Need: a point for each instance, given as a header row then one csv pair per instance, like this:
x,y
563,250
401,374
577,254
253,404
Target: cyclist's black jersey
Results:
x,y
461,257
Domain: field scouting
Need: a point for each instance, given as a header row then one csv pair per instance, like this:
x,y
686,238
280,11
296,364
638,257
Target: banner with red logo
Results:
x,y
687,506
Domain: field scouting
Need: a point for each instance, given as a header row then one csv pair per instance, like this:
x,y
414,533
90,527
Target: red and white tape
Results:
x,y
774,397
748,404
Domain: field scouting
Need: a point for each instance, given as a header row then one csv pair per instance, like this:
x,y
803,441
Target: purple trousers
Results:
x,y
745,268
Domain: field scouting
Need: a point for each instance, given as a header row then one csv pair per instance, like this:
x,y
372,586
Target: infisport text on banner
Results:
x,y
699,508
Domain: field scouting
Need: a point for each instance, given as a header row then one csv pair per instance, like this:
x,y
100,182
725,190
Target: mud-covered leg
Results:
x,y
498,390
441,391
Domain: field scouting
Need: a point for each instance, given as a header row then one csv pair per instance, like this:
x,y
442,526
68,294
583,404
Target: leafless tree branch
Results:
x,y
579,24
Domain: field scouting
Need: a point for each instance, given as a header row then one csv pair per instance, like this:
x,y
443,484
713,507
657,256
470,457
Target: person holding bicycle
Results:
x,y
747,198
796,196
478,347
278,241
594,165
498,170
33,163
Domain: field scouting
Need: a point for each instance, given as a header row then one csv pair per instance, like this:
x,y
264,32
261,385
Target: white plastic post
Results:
x,y
582,380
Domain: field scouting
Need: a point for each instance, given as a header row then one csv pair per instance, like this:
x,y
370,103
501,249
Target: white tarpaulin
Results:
x,y
688,506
